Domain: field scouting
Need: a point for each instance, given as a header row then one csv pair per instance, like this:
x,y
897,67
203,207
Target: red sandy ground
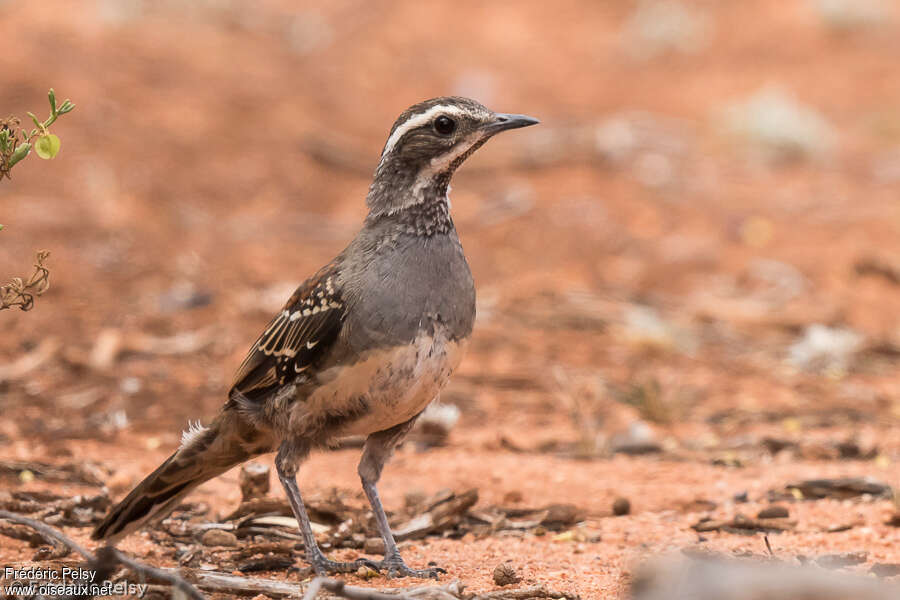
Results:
x,y
188,160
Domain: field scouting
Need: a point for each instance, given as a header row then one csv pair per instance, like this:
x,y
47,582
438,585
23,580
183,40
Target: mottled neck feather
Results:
x,y
427,213
400,186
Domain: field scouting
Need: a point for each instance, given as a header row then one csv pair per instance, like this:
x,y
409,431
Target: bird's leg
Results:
x,y
289,455
378,449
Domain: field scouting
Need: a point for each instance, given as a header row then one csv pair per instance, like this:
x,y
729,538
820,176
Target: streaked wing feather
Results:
x,y
294,339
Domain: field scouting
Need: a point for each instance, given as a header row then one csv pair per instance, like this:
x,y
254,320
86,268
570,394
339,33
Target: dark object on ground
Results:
x,y
840,488
774,512
744,525
621,506
505,574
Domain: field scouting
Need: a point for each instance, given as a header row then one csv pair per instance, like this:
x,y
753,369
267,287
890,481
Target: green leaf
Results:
x,y
21,152
37,123
47,146
52,97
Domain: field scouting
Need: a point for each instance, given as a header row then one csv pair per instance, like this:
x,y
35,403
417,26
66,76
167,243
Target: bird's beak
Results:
x,y
504,121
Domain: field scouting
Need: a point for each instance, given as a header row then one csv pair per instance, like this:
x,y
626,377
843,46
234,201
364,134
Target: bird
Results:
x,y
361,348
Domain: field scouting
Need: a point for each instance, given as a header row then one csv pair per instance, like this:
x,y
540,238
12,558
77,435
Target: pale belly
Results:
x,y
384,388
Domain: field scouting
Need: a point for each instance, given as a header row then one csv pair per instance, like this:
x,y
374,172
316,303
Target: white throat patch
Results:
x,y
440,163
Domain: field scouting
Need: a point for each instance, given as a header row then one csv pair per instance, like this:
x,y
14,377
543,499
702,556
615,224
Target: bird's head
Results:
x,y
426,145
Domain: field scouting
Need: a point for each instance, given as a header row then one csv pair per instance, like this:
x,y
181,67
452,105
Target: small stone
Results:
x,y
505,574
562,515
364,572
254,481
218,537
773,512
565,536
621,506
373,545
513,497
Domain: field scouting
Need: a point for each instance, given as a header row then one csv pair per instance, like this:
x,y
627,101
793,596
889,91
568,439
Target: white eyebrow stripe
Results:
x,y
417,120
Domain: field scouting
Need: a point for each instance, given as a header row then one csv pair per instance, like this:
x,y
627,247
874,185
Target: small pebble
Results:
x,y
621,506
373,545
773,512
218,537
513,497
505,574
364,572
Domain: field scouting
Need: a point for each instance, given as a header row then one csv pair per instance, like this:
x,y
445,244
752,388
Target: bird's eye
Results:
x,y
444,125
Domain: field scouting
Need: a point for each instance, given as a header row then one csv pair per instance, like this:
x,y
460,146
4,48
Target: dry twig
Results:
x,y
107,558
450,591
22,293
336,586
109,555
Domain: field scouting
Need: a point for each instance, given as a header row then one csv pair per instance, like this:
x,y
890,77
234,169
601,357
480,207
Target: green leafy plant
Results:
x,y
16,143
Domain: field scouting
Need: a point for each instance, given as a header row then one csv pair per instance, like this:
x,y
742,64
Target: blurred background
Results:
x,y
694,258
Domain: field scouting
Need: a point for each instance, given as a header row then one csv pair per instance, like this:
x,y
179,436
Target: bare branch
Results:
x,y
112,556
107,558
22,293
47,532
339,588
535,591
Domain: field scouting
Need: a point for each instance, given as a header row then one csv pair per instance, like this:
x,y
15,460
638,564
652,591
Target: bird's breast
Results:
x,y
415,285
385,387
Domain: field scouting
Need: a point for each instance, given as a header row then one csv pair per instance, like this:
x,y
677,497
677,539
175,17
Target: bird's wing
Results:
x,y
302,332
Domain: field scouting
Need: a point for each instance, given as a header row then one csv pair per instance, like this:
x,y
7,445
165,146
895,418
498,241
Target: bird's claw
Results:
x,y
324,566
394,567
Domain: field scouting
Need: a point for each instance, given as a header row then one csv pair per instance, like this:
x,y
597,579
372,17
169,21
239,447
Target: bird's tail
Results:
x,y
205,452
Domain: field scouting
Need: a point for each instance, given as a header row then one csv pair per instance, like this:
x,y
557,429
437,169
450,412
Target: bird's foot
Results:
x,y
393,566
324,566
